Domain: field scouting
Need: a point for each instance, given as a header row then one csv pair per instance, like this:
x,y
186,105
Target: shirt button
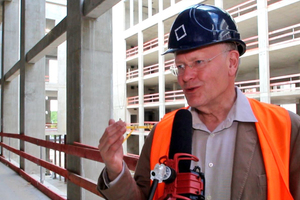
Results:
x,y
210,164
208,198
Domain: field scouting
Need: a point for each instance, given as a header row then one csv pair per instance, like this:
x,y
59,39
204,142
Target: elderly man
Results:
x,y
246,149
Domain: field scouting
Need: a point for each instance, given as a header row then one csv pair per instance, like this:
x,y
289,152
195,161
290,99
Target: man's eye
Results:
x,y
180,67
198,62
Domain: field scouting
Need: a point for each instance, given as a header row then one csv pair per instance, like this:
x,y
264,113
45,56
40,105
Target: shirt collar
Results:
x,y
242,109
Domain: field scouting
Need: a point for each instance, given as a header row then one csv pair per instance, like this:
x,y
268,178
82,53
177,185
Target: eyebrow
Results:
x,y
191,59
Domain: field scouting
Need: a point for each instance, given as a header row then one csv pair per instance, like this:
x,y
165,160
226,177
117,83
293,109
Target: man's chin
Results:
x,y
193,103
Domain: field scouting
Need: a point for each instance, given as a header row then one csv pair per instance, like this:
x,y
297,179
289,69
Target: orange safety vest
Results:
x,y
274,131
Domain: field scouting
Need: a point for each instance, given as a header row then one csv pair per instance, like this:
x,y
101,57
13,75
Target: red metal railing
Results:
x,y
243,8
151,44
132,74
78,149
277,84
46,78
246,7
151,98
177,95
285,35
151,69
131,52
286,83
148,70
168,64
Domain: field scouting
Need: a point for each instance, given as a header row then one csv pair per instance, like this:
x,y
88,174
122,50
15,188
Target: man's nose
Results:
x,y
188,73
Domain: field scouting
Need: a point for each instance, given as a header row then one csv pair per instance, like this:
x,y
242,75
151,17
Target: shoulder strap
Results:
x,y
161,144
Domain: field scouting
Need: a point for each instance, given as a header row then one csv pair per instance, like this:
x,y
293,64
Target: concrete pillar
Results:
x,y
119,66
47,109
149,8
140,11
10,119
34,81
161,70
131,13
74,65
263,47
61,90
96,84
89,86
172,2
160,6
141,89
219,3
11,53
119,69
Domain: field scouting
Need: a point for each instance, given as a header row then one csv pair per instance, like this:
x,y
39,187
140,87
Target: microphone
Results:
x,y
181,139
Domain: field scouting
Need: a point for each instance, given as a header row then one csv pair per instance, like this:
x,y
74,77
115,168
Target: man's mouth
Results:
x,y
190,89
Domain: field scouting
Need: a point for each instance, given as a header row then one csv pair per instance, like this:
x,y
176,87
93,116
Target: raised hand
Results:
x,y
110,147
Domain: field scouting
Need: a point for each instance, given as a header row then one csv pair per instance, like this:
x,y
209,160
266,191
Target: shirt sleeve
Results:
x,y
106,180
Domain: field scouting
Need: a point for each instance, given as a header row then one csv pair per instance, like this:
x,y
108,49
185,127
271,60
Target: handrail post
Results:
x,y
41,168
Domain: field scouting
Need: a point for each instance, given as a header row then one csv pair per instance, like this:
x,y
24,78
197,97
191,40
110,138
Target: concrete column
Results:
x,y
219,3
61,90
74,65
96,83
11,53
11,112
131,13
11,32
263,47
172,2
141,89
89,86
119,66
48,112
161,70
160,6
140,11
34,80
149,8
119,69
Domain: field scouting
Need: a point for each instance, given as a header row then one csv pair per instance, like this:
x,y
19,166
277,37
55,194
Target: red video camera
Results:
x,y
178,185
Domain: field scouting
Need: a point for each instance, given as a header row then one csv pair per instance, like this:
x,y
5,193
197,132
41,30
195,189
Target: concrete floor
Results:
x,y
12,186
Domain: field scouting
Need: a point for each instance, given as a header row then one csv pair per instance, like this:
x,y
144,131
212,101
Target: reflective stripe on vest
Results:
x,y
273,129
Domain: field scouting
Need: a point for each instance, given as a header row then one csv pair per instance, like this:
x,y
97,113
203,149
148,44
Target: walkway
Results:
x,y
13,186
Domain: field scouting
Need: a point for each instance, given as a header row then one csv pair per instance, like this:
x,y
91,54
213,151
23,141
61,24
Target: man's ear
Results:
x,y
233,62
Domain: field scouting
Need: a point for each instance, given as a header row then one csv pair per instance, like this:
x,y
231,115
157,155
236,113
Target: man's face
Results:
x,y
207,84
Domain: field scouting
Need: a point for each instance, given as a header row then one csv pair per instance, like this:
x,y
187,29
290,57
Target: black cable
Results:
x,y
153,189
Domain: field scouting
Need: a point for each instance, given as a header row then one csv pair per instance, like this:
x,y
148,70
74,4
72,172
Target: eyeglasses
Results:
x,y
197,64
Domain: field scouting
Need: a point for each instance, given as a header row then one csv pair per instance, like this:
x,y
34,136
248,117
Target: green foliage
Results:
x,y
54,117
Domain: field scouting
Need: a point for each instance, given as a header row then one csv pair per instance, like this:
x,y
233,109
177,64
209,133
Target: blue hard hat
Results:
x,y
202,25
